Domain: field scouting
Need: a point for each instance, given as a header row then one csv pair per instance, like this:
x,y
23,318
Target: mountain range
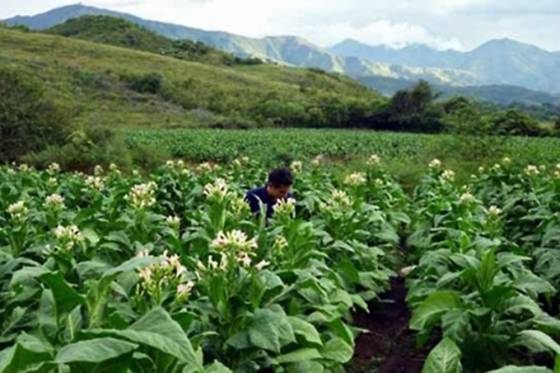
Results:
x,y
497,62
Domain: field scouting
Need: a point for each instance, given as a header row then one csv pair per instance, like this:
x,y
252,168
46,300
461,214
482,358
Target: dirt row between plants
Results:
x,y
388,346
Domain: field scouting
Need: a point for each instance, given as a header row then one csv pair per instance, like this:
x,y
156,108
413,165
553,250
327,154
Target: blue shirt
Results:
x,y
257,196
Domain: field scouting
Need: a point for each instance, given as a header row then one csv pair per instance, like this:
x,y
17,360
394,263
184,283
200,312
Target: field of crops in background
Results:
x,y
273,145
170,272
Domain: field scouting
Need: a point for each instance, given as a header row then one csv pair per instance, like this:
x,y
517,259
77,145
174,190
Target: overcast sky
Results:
x,y
459,24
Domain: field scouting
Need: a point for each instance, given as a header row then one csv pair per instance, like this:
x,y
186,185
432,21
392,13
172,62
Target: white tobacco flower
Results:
x,y
95,182
235,240
494,211
436,163
135,172
497,167
146,274
170,164
68,236
448,175
173,222
285,207
205,167
143,253
23,167
355,179
98,170
280,243
467,198
239,206
212,264
261,265
143,195
185,289
481,169
244,259
532,170
17,210
296,166
53,168
216,191
374,160
54,201
379,182
52,182
506,161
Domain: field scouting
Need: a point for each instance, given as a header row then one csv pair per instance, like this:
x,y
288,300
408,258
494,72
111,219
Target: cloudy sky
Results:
x,y
459,24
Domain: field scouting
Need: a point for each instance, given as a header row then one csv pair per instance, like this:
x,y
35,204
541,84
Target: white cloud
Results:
x,y
439,23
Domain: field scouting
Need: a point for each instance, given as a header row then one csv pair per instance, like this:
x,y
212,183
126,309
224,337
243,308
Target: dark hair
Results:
x,y
280,177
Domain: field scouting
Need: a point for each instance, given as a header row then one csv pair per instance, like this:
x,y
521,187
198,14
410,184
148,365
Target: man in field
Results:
x,y
277,188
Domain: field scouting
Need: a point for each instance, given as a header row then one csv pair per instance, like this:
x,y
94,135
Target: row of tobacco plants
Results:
x,y
170,272
486,271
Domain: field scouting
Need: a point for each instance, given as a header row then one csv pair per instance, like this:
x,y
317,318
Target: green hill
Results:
x,y
123,33
110,30
115,86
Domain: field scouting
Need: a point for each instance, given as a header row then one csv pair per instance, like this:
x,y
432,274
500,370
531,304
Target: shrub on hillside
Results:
x,y
29,119
145,83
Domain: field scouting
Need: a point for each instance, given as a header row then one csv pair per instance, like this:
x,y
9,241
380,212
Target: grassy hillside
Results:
x,y
107,85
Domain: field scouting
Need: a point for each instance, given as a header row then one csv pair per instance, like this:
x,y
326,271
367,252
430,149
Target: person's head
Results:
x,y
280,181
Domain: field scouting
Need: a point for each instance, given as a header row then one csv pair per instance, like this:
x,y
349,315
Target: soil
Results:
x,y
388,346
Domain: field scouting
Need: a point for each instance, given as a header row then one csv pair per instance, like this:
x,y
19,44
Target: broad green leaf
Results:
x,y
338,350
444,358
158,330
65,296
270,330
538,341
131,265
303,354
305,330
434,306
27,353
94,350
305,367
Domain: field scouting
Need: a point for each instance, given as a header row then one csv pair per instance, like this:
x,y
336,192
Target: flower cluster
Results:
x,y
53,168
280,243
174,222
532,170
494,211
23,167
448,175
169,273
355,179
239,206
235,240
467,197
68,237
285,207
18,210
55,201
374,160
98,170
506,161
95,182
296,166
436,163
178,165
216,191
143,195
239,162
339,201
206,167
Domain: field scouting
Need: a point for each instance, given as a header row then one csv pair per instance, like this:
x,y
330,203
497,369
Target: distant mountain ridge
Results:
x,y
500,61
497,62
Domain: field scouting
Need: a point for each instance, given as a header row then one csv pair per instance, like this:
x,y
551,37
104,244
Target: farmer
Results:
x,y
277,188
